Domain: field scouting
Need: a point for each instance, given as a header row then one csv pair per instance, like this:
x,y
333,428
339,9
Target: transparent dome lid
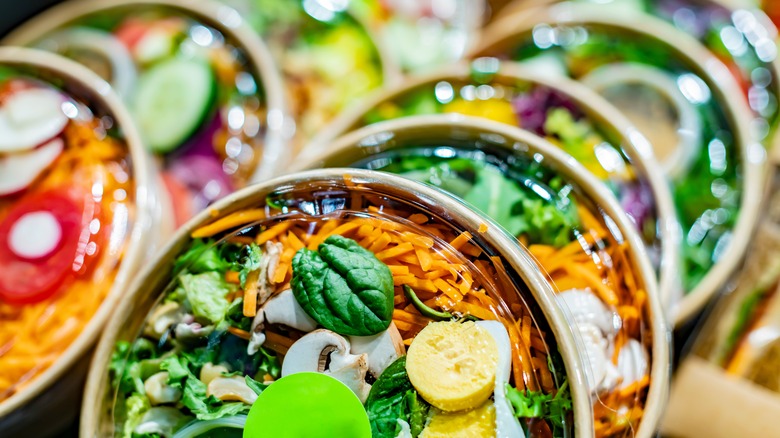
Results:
x,y
201,87
565,113
683,99
571,225
72,188
434,319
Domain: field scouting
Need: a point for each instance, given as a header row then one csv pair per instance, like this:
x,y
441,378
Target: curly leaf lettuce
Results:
x,y
206,293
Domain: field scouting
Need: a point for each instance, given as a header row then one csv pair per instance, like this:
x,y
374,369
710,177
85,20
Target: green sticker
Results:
x,y
307,405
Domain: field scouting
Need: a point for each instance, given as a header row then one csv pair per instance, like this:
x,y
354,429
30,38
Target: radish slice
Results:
x,y
35,235
17,171
30,118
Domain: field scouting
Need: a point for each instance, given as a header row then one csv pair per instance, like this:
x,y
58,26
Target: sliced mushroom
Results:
x,y
163,318
160,420
159,391
507,425
595,327
281,309
271,256
632,363
233,388
600,373
382,349
312,352
582,306
210,372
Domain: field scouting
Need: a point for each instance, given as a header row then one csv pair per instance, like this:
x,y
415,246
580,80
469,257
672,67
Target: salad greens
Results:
x,y
708,194
393,398
199,339
532,202
344,287
205,355
535,404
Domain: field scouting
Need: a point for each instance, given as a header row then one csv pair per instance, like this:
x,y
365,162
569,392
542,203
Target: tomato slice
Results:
x,y
24,280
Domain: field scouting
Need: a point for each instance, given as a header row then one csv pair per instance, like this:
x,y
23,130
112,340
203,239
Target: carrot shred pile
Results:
x,y
431,259
596,262
33,336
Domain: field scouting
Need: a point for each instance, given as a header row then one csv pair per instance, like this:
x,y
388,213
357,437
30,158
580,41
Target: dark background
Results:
x,y
13,12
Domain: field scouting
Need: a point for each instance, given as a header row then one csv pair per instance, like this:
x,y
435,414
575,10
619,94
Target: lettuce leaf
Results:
x,y
194,395
535,404
206,294
135,407
201,256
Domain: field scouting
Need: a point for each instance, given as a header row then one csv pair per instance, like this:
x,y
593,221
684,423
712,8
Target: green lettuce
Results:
x,y
206,294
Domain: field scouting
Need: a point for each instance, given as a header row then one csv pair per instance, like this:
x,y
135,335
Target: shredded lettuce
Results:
x,y
206,293
202,256
135,406
194,392
535,404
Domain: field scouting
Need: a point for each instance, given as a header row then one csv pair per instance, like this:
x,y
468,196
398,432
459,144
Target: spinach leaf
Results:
x,y
392,397
344,287
206,293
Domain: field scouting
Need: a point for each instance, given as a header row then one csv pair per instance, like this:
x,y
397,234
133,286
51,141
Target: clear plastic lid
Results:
x,y
200,86
681,97
571,225
566,114
741,36
399,292
68,192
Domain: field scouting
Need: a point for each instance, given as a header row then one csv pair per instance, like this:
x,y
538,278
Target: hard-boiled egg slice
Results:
x,y
17,171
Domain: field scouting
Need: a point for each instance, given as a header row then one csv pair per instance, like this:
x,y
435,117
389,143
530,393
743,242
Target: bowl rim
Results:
x,y
276,150
592,187
145,203
725,90
425,196
595,107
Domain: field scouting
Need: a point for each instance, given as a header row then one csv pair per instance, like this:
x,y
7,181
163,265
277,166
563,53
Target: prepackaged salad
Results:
x,y
663,80
738,33
327,56
199,84
569,224
563,112
423,34
74,196
424,310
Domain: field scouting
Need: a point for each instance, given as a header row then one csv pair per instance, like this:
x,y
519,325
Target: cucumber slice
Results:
x,y
173,100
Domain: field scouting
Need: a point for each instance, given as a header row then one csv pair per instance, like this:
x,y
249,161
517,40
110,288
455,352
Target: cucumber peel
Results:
x,y
173,100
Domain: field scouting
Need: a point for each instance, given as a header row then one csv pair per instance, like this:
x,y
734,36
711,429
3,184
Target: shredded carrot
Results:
x,y
232,277
233,220
34,336
461,240
272,232
250,294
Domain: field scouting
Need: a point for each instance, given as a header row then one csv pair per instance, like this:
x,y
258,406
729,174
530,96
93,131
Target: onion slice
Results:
x,y
35,235
17,171
30,118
